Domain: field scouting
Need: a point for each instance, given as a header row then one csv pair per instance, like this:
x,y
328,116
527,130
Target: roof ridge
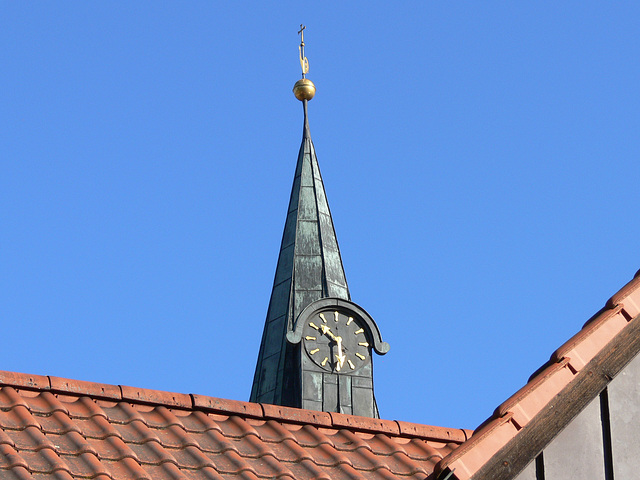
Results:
x,y
101,391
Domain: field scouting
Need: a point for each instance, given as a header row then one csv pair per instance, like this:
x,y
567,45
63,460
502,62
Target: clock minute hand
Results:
x,y
340,356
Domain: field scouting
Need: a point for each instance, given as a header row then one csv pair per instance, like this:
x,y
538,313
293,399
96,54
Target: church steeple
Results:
x,y
309,271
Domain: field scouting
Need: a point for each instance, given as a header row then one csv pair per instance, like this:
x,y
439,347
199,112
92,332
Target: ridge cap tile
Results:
x,y
146,395
221,405
15,379
296,415
431,432
590,328
82,387
364,423
627,290
488,427
527,390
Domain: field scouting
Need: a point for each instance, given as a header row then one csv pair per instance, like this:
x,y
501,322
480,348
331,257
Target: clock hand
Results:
x,y
327,331
340,356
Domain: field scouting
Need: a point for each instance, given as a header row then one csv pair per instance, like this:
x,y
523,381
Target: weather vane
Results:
x,y
304,89
304,63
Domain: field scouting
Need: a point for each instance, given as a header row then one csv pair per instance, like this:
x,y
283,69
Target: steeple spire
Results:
x,y
309,270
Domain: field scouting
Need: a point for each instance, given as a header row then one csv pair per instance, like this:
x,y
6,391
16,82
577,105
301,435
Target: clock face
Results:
x,y
334,338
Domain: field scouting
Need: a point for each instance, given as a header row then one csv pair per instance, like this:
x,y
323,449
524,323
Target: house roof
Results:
x,y
575,374
52,427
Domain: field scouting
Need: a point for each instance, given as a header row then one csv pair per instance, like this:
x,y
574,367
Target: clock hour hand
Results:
x,y
327,331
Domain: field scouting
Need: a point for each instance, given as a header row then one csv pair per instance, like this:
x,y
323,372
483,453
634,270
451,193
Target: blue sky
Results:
x,y
480,160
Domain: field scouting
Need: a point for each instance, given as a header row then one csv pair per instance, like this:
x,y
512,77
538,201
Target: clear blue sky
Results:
x,y
480,160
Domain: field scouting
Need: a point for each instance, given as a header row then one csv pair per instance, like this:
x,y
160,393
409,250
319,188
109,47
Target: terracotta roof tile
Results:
x,y
127,468
57,428
84,465
175,437
17,473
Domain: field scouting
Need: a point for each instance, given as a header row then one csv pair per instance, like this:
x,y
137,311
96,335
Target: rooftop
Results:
x,y
53,427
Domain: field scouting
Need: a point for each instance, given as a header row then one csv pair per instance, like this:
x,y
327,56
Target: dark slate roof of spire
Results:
x,y
309,268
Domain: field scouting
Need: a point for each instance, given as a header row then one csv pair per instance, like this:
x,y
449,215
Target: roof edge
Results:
x,y
101,391
568,363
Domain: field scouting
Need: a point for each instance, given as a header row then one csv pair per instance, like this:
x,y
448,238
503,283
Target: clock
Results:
x,y
336,340
337,335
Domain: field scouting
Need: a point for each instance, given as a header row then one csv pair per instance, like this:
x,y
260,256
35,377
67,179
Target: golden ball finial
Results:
x,y
304,89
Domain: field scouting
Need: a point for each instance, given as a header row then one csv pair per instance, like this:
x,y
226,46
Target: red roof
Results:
x,y
57,428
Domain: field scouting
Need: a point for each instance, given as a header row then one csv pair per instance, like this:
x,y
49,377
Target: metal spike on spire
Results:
x,y
304,63
304,89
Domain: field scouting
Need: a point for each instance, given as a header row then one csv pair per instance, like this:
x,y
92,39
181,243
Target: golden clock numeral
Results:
x,y
350,320
335,314
313,325
360,330
322,317
353,367
315,350
309,337
363,344
324,362
360,356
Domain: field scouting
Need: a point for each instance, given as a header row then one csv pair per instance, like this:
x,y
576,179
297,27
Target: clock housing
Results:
x,y
337,339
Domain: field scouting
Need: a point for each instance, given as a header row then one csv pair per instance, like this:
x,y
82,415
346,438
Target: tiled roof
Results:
x,y
614,331
54,428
